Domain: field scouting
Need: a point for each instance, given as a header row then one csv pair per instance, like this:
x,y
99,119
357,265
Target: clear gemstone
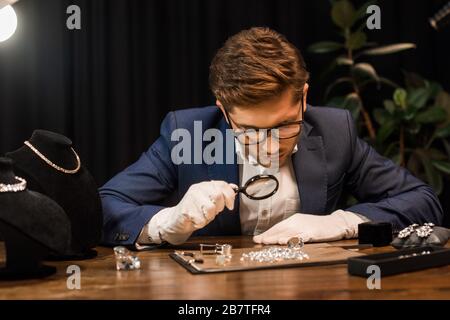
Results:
x,y
125,260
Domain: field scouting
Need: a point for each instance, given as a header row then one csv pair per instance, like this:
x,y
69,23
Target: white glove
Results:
x,y
199,206
313,228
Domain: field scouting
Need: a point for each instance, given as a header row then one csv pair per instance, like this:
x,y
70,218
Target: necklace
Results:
x,y
51,164
22,185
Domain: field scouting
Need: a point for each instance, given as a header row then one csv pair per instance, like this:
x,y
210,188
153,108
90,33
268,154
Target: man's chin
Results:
x,y
273,163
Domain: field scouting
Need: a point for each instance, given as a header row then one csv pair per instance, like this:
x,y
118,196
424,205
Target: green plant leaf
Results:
x,y
418,97
443,132
397,159
443,166
409,114
349,102
389,82
343,13
435,154
443,100
344,61
432,115
325,46
392,48
389,105
413,128
391,149
381,115
352,103
365,70
356,40
413,80
386,129
400,95
434,88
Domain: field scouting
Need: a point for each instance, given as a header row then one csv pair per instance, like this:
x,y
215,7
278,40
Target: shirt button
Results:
x,y
264,213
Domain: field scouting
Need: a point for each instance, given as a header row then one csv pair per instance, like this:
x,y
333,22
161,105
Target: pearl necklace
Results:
x,y
22,185
51,164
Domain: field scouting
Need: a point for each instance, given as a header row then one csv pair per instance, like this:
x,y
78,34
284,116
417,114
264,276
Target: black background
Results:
x,y
108,85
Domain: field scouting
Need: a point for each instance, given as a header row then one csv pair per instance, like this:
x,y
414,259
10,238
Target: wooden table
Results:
x,y
162,278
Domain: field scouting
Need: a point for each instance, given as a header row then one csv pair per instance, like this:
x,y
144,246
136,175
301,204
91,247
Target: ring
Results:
x,y
295,243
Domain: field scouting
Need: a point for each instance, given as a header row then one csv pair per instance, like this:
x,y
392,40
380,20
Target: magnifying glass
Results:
x,y
259,187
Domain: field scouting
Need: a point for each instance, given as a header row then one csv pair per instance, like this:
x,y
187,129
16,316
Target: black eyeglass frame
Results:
x,y
265,130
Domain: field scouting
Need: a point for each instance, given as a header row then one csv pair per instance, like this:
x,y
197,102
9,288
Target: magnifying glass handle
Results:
x,y
238,189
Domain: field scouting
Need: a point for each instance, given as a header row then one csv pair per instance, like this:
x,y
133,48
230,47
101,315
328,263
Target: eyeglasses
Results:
x,y
257,135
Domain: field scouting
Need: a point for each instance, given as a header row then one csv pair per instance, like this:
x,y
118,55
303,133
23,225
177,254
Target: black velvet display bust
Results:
x,y
76,193
32,226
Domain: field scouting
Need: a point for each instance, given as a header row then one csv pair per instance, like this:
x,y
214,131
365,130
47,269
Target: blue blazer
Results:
x,y
330,158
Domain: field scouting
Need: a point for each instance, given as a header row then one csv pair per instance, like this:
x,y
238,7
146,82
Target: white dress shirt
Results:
x,y
259,215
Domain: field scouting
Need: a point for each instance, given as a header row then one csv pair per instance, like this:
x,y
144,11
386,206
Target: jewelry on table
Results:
x,y
275,254
55,166
125,260
407,231
222,259
222,252
16,187
221,249
295,243
414,255
425,235
422,231
195,257
425,231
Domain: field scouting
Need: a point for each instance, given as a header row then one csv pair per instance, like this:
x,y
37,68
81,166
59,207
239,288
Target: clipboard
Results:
x,y
320,254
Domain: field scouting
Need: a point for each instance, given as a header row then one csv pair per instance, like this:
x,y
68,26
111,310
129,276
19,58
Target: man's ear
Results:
x,y
220,106
305,93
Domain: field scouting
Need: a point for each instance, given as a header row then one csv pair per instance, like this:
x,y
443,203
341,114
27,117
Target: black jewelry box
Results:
x,y
400,261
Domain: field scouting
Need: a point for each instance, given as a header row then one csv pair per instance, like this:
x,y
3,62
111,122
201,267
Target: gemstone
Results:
x,y
274,254
222,260
295,243
125,260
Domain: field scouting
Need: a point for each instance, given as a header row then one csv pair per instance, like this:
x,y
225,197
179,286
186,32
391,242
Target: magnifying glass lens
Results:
x,y
261,188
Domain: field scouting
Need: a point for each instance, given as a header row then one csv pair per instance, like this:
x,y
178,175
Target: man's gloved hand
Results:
x,y
199,206
313,228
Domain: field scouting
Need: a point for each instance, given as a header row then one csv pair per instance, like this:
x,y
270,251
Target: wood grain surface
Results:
x,y
160,277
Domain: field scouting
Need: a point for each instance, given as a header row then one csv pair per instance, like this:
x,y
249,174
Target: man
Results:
x,y
260,82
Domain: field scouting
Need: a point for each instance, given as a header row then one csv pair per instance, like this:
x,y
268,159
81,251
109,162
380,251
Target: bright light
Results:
x,y
8,22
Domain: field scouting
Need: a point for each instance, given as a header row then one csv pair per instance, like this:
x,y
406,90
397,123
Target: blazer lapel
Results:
x,y
310,170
